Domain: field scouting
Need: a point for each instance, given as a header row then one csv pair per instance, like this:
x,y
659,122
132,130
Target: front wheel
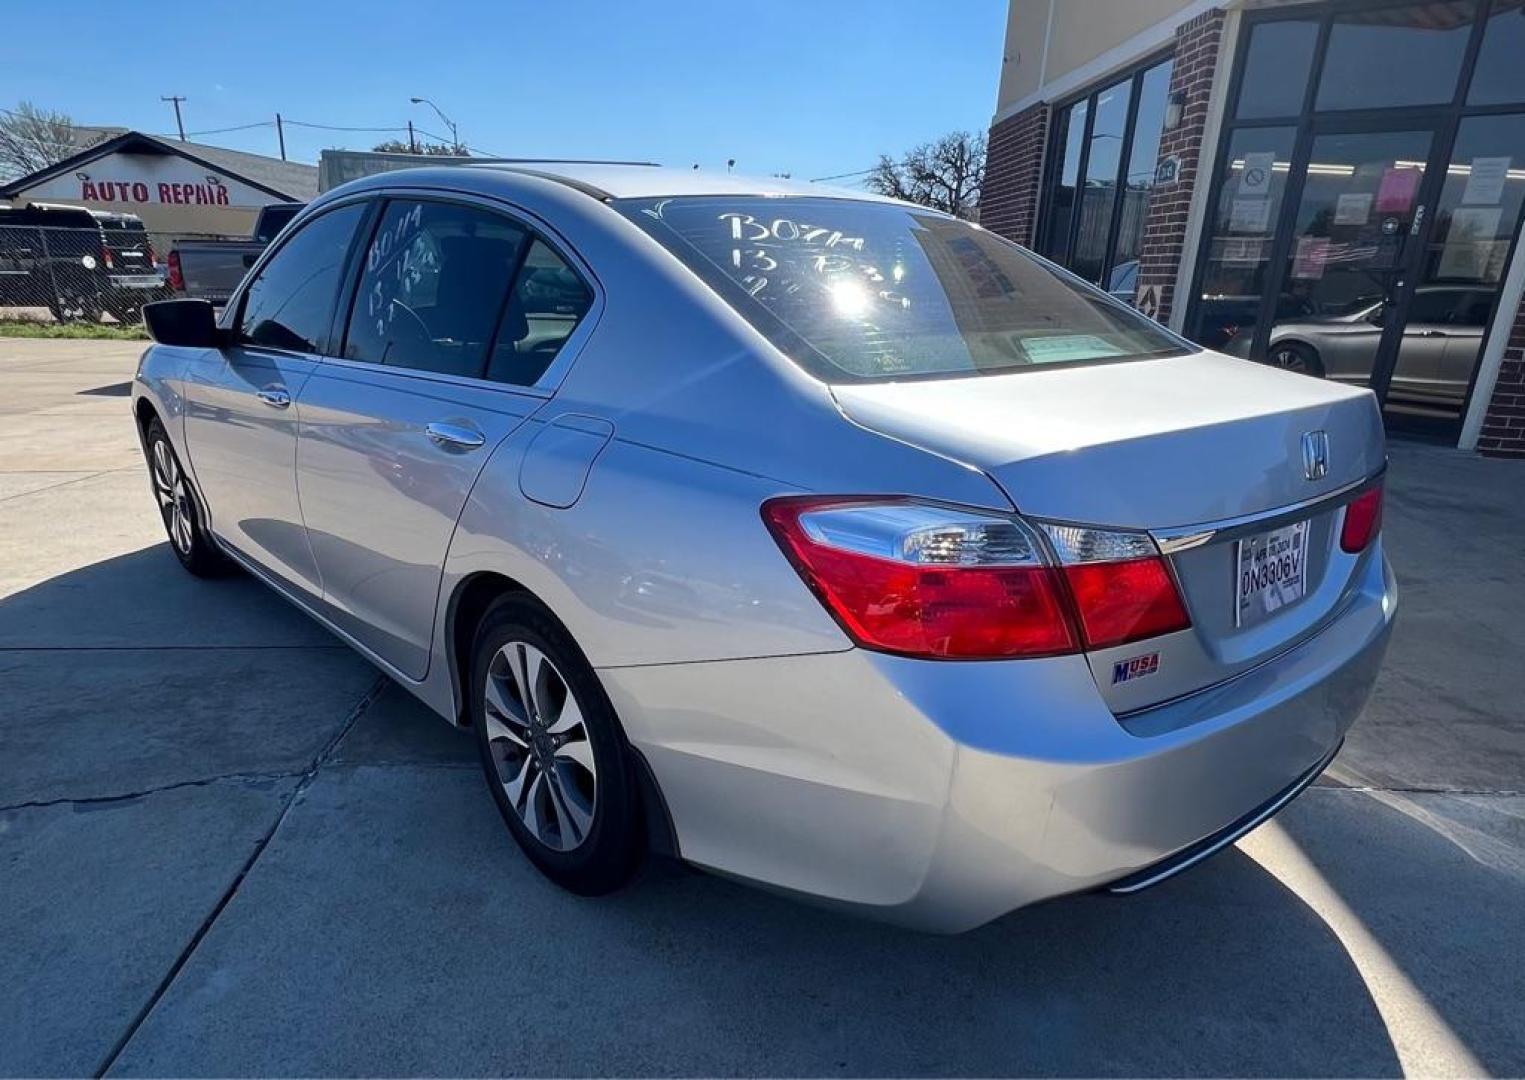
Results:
x,y
184,523
552,749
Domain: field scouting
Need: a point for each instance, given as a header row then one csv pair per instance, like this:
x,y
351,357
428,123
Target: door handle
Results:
x,y
1432,333
455,436
274,396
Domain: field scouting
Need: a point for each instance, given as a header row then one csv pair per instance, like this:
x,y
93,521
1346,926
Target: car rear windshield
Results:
x,y
863,291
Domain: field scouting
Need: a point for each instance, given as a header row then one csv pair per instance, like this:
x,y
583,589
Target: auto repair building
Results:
x,y
1335,187
178,188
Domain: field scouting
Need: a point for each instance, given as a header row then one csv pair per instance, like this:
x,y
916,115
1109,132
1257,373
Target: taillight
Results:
x,y
176,279
106,259
932,581
153,256
1122,588
922,580
1363,520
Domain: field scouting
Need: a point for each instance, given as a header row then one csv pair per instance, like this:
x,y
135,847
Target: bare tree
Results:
x,y
944,174
398,146
32,139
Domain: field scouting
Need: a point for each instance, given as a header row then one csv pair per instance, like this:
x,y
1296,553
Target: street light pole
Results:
x,y
455,136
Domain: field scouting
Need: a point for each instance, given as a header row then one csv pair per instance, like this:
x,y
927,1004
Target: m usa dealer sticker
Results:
x,y
1135,668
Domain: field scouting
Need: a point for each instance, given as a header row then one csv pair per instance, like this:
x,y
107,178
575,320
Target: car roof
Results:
x,y
622,180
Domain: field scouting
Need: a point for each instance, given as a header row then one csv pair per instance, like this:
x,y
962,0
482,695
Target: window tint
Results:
x,y
1499,76
1100,190
1143,159
858,290
1061,202
1276,69
547,303
1426,42
434,281
288,306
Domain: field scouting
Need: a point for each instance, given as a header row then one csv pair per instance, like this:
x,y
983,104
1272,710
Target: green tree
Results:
x,y
430,149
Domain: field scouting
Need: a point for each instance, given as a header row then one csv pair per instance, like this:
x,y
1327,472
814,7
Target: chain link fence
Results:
x,y
94,274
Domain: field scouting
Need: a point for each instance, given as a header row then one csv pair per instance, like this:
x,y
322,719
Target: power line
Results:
x,y
842,176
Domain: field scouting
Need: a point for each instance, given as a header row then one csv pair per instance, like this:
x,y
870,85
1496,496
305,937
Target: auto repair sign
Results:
x,y
128,180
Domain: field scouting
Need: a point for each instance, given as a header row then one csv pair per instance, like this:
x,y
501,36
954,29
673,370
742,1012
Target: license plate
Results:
x,y
1271,572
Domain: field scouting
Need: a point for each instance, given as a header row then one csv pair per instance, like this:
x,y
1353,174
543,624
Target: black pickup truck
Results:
x,y
77,263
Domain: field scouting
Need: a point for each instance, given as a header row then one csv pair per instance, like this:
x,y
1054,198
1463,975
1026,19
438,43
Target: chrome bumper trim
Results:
x,y
1208,846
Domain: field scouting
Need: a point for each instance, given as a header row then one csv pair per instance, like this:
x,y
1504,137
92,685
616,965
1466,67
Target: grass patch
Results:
x,y
35,328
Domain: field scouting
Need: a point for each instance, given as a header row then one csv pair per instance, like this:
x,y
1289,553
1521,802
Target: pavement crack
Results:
x,y
306,778
126,796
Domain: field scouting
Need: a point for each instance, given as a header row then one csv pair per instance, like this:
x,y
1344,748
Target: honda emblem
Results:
x,y
1315,454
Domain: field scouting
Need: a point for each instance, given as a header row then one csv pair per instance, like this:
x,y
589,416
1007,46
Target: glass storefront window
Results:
x,y
1100,189
1463,264
1234,277
1060,205
1499,77
1395,56
1276,67
1138,182
1095,224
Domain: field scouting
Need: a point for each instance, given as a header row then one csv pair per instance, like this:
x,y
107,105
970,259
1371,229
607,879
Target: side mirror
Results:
x,y
190,324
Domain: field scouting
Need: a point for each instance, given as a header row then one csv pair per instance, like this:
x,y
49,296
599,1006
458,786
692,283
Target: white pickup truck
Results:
x,y
212,269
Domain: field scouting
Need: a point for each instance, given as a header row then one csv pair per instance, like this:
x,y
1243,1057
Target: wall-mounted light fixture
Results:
x,y
1173,110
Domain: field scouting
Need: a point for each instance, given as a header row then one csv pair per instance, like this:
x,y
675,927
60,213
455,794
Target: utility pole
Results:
x,y
412,142
177,99
280,133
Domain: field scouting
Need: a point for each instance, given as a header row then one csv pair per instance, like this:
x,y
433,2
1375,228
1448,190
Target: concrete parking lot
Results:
x,y
228,845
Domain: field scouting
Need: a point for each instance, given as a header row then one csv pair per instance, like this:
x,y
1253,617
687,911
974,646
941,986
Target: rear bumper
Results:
x,y
942,795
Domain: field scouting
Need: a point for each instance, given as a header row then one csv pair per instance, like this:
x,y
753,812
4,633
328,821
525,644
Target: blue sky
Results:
x,y
808,88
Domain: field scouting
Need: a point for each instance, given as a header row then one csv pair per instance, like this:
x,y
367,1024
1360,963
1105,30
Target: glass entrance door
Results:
x,y
1343,288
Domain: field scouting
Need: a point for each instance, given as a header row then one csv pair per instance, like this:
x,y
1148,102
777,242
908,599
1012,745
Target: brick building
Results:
x,y
1335,187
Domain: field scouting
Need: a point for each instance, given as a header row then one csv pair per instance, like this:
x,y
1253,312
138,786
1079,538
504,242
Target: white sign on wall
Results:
x,y
128,180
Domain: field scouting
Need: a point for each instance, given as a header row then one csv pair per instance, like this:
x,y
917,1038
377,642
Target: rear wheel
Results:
x,y
184,523
552,750
1295,356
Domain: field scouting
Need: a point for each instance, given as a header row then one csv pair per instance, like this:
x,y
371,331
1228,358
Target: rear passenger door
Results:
x,y
434,371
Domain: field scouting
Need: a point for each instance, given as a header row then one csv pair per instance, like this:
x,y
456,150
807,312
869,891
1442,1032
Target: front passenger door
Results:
x,y
242,415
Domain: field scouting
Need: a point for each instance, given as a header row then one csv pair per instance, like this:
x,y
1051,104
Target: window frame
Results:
x,y
1053,167
535,228
233,310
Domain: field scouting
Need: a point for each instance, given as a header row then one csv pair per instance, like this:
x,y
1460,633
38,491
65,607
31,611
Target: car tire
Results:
x,y
555,757
184,522
1295,356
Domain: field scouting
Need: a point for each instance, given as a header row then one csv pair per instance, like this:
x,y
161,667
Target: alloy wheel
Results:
x,y
540,747
1289,359
174,497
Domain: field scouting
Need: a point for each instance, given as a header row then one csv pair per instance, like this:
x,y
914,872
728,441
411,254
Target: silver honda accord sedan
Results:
x,y
820,540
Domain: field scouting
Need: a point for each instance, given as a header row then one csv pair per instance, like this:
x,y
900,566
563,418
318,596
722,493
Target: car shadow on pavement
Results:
x,y
389,925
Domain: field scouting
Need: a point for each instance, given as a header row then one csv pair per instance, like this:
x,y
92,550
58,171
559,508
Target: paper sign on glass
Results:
x,y
1249,215
1397,191
1485,181
1473,249
1312,254
1353,208
1256,179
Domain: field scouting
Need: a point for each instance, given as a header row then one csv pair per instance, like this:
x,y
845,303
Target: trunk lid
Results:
x,y
1164,445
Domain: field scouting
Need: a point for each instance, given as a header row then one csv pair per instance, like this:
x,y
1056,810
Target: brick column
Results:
x,y
1196,60
1013,171
1503,433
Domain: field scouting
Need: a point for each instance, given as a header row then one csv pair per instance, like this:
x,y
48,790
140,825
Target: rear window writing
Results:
x,y
863,291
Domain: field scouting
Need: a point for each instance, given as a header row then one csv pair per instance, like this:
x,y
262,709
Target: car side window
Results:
x,y
289,303
432,287
548,301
